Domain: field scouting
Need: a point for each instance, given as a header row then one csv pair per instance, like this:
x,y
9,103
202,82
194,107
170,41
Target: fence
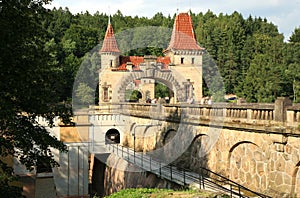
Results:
x,y
206,179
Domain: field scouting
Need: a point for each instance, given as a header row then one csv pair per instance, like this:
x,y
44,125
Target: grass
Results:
x,y
162,193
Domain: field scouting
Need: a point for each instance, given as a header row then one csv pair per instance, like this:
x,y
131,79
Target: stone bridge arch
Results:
x,y
168,135
197,150
246,165
174,81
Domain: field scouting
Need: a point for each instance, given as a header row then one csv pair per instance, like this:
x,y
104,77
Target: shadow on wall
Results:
x,y
191,156
99,167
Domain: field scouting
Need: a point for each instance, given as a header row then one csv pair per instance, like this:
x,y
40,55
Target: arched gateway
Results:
x,y
180,68
179,87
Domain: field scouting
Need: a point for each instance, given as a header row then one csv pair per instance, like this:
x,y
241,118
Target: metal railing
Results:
x,y
206,179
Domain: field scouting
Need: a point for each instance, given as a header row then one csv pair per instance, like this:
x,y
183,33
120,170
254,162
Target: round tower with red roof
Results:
x,y
110,52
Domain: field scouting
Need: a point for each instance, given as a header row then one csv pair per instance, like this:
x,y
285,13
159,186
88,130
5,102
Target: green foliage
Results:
x,y
161,90
167,193
133,95
295,38
134,193
85,94
28,72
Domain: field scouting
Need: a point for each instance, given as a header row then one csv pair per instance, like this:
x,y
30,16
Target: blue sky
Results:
x,y
283,13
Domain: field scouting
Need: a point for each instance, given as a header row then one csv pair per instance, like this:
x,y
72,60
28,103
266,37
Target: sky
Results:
x,y
285,14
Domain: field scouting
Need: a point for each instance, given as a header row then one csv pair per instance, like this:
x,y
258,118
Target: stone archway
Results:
x,y
175,82
246,165
168,136
112,136
197,157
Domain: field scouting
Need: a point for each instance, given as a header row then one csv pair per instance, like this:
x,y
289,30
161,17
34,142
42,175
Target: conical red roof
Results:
x,y
109,42
183,36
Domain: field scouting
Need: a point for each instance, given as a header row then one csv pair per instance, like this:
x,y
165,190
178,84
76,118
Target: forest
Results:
x,y
252,56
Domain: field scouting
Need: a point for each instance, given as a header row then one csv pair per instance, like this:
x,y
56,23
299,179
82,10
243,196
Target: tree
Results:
x,y
27,73
161,90
85,94
295,38
292,61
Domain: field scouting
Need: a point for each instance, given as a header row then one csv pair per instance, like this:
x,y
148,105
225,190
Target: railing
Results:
x,y
253,115
206,179
259,112
293,114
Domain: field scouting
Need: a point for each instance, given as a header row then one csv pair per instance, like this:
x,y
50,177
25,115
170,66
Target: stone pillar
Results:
x,y
280,108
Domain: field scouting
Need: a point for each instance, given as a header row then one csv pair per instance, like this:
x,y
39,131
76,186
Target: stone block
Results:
x,y
287,179
258,156
245,165
260,168
249,178
288,148
280,164
242,176
278,179
257,183
263,182
279,147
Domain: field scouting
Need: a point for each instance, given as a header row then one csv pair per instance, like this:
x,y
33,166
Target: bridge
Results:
x,y
253,145
239,149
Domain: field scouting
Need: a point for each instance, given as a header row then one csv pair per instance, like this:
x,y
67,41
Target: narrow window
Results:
x,y
105,94
193,60
111,63
182,60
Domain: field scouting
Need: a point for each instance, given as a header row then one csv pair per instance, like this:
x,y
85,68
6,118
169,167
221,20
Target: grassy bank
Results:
x,y
163,193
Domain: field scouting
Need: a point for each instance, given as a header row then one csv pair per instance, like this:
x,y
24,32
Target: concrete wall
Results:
x,y
71,178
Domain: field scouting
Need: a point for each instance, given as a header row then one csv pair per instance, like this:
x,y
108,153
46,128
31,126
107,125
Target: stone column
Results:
x,y
280,113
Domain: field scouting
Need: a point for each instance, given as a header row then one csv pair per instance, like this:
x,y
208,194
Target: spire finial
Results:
x,y
108,14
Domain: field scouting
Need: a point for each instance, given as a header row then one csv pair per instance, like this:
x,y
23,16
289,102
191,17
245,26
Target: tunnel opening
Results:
x,y
112,136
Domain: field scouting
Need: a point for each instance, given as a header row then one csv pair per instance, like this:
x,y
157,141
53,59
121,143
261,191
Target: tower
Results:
x,y
186,55
110,59
110,53
183,47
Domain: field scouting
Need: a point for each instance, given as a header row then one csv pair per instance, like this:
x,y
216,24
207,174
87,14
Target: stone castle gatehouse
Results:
x,y
180,69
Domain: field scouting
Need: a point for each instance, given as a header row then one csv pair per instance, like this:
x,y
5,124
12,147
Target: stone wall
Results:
x,y
256,145
262,161
120,175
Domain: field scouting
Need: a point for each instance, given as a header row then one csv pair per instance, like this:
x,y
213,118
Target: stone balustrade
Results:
x,y
281,113
293,115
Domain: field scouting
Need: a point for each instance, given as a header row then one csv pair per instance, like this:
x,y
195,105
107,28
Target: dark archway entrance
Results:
x,y
112,136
